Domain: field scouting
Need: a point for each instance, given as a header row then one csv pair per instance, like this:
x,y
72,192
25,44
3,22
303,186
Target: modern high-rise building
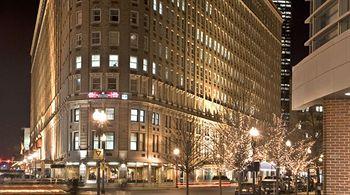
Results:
x,y
322,79
285,7
150,65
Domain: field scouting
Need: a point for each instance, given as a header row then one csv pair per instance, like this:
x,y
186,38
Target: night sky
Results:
x,y
17,25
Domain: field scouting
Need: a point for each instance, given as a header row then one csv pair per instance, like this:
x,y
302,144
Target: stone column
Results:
x,y
336,146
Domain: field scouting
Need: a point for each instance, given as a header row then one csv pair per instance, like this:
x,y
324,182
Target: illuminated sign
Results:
x,y
108,95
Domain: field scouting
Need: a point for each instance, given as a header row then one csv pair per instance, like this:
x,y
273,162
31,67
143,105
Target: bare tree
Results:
x,y
232,145
188,138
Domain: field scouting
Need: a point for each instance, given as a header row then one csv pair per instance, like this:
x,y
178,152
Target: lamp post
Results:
x,y
253,132
176,154
103,139
100,117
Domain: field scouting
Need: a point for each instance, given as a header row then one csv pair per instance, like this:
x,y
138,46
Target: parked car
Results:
x,y
224,179
247,189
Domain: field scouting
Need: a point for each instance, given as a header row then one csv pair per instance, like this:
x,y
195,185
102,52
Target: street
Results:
x,y
193,191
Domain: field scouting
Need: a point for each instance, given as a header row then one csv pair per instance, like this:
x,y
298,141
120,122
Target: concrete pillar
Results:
x,y
336,147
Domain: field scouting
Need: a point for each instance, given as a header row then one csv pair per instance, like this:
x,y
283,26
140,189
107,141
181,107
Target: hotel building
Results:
x,y
150,65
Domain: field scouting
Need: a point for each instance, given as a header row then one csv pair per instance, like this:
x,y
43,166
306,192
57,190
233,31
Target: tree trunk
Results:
x,y
220,186
240,177
187,183
296,185
277,180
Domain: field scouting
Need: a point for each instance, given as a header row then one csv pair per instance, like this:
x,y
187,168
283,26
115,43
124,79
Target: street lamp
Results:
x,y
176,153
253,132
288,143
100,117
103,139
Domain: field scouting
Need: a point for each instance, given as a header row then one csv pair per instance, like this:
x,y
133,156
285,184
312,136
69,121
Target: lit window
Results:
x,y
76,140
114,38
77,84
110,114
95,38
134,40
160,8
95,140
78,62
113,61
155,118
142,116
96,15
155,5
145,64
76,115
154,68
133,141
109,144
95,61
133,62
114,15
134,115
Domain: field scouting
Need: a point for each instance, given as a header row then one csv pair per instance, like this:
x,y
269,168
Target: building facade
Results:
x,y
285,7
321,79
150,65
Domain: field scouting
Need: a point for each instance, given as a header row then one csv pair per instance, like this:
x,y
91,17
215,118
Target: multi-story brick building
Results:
x,y
321,78
150,65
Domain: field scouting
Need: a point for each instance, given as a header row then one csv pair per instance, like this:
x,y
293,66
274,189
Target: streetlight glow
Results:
x,y
176,151
288,143
99,116
254,132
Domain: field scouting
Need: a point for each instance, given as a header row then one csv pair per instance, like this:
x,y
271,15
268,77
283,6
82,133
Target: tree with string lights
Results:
x,y
189,148
231,146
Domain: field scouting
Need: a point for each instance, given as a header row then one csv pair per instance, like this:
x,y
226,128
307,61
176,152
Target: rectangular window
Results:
x,y
155,145
96,16
134,115
109,144
155,118
134,18
114,38
95,143
76,115
144,65
142,141
79,19
95,61
110,114
133,85
77,84
134,40
113,61
78,62
76,140
133,141
154,70
160,8
112,83
133,62
96,84
114,15
155,5
145,43
142,116
96,38
78,40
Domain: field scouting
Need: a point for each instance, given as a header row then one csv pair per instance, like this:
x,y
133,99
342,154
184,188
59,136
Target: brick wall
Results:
x,y
337,147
